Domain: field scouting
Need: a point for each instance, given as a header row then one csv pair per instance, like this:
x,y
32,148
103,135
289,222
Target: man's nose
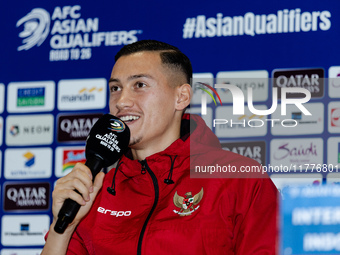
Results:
x,y
125,100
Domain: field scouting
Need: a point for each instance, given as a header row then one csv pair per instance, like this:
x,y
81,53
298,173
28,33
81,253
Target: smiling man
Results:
x,y
150,97
149,204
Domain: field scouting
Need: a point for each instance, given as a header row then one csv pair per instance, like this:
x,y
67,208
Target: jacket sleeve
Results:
x,y
256,231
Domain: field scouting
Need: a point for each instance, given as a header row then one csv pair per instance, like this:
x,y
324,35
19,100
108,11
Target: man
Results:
x,y
149,204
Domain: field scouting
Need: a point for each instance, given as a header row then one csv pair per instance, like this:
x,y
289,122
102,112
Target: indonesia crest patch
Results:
x,y
187,204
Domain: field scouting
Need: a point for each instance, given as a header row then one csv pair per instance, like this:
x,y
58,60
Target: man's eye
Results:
x,y
140,84
115,88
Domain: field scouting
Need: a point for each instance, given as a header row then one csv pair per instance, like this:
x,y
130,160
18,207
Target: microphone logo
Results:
x,y
117,126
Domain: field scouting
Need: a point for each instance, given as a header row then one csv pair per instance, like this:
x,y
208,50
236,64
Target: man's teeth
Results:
x,y
129,118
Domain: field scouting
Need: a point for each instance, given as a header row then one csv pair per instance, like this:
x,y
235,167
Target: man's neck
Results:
x,y
143,152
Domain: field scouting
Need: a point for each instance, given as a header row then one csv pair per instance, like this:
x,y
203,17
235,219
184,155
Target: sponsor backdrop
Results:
x,y
56,59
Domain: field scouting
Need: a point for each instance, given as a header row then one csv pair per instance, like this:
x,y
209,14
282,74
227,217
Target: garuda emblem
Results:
x,y
187,203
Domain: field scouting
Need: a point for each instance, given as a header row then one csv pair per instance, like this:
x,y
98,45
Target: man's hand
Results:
x,y
80,178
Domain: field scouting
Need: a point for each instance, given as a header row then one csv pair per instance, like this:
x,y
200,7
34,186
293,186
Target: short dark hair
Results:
x,y
170,55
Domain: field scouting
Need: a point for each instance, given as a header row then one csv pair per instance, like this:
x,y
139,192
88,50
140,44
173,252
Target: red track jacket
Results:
x,y
151,215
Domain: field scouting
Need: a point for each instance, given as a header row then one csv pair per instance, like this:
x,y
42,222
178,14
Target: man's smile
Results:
x,y
129,118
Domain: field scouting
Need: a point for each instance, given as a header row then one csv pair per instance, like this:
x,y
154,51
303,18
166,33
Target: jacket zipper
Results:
x,y
156,187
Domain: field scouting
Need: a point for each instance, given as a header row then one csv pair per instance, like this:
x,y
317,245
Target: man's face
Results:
x,y
142,96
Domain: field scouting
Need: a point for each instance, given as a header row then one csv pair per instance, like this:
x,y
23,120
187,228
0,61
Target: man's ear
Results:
x,y
184,94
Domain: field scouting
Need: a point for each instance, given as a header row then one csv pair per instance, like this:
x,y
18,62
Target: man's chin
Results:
x,y
134,142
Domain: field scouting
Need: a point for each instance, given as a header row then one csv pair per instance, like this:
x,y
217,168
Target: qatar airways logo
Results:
x,y
239,107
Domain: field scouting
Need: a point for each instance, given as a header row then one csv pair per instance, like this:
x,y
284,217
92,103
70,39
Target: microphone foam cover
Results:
x,y
108,139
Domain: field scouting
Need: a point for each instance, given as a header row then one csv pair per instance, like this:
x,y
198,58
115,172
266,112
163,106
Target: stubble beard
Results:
x,y
135,140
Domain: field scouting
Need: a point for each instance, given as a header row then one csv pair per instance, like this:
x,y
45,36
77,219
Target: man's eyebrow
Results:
x,y
132,77
142,75
113,80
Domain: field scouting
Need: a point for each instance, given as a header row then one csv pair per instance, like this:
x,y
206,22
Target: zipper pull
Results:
x,y
143,170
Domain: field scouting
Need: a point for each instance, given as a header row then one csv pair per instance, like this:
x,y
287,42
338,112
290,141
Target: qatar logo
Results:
x,y
117,126
36,28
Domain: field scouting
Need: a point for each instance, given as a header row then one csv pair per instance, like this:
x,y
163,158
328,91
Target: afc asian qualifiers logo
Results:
x,y
36,28
187,203
117,125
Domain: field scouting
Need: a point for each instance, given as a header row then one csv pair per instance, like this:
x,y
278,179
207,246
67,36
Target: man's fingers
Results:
x,y
98,182
81,188
79,175
82,173
84,169
62,195
75,184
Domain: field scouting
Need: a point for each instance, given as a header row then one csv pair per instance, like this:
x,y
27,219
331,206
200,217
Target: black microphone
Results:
x,y
107,141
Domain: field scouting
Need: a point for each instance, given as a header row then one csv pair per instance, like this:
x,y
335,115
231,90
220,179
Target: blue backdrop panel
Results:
x,y
56,59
